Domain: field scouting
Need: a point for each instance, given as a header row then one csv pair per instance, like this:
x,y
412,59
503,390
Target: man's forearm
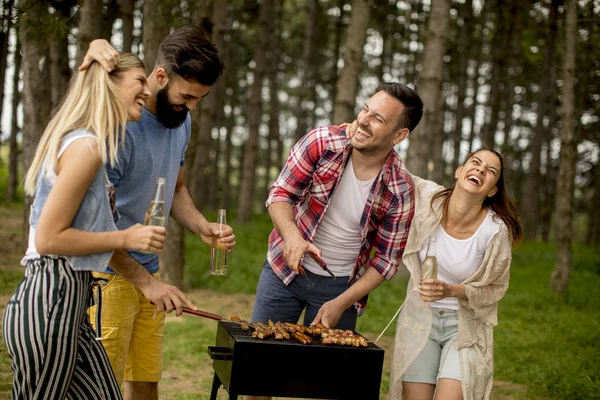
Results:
x,y
185,212
126,266
367,283
282,215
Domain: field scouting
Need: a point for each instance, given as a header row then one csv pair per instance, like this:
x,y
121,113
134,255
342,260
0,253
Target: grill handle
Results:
x,y
220,353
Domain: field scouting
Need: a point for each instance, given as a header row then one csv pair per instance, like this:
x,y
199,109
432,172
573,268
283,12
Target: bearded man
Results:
x,y
186,67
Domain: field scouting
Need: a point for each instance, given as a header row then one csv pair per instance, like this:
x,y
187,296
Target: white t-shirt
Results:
x,y
338,234
458,259
32,252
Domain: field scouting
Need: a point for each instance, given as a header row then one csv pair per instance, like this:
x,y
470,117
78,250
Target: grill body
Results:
x,y
287,368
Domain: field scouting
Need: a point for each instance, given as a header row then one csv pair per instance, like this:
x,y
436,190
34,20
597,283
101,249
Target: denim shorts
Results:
x,y
439,357
277,302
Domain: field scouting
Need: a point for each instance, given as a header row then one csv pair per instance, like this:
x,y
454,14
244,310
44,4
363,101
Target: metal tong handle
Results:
x,y
321,263
201,313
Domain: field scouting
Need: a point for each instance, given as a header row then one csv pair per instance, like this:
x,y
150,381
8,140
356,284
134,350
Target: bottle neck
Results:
x,y
159,194
221,217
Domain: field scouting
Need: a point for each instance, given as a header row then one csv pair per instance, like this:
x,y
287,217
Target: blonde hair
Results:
x,y
93,102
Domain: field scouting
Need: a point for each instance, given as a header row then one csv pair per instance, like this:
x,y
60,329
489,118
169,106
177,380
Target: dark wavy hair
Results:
x,y
500,202
188,52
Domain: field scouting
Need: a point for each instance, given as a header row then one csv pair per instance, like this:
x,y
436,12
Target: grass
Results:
x,y
547,342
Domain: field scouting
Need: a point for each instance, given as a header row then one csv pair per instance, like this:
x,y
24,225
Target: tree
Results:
x,y
11,187
497,85
465,51
255,111
5,25
568,157
347,83
126,9
429,89
308,71
204,164
36,78
60,73
274,138
530,198
90,26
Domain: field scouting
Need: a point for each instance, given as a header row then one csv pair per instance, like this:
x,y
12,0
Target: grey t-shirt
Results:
x,y
150,151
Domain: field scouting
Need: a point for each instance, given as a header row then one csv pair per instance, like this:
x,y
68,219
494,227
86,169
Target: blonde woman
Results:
x,y
444,346
72,232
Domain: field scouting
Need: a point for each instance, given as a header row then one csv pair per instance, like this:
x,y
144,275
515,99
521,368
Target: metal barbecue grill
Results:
x,y
287,368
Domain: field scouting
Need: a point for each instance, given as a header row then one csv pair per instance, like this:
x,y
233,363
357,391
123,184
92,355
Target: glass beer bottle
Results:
x,y
155,214
430,268
219,252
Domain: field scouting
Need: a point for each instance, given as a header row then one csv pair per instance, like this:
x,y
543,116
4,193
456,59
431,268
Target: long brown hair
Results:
x,y
500,202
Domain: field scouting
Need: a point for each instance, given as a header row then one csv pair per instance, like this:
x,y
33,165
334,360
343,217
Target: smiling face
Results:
x,y
134,91
177,97
480,174
377,124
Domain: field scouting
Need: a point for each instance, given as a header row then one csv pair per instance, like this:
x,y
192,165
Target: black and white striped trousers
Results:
x,y
49,337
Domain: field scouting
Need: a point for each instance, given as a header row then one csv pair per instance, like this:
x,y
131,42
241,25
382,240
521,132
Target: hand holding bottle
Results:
x,y
221,234
219,251
150,239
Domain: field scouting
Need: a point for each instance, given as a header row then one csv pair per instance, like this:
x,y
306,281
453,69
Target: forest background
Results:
x,y
521,76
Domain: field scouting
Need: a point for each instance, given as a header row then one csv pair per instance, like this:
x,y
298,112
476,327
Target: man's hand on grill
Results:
x,y
294,249
166,297
330,313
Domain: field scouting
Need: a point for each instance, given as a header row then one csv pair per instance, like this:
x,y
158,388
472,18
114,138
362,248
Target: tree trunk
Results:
x,y
465,46
548,186
307,76
90,26
110,15
205,165
36,79
496,83
593,233
337,41
60,73
255,111
156,28
347,83
126,9
274,135
13,171
6,24
228,152
199,15
429,88
513,70
530,197
568,157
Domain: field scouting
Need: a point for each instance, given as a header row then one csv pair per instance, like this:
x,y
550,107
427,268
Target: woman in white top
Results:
x,y
46,330
444,341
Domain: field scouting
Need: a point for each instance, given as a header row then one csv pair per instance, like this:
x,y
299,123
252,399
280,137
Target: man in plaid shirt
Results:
x,y
344,195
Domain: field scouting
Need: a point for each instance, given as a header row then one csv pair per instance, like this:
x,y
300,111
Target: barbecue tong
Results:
x,y
216,317
319,262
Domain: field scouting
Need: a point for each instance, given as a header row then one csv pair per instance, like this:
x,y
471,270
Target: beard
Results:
x,y
165,111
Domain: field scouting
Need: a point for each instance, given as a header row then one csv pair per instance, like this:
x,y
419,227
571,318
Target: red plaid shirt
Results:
x,y
311,174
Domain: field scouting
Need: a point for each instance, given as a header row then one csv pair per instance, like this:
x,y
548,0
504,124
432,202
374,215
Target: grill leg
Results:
x,y
215,387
